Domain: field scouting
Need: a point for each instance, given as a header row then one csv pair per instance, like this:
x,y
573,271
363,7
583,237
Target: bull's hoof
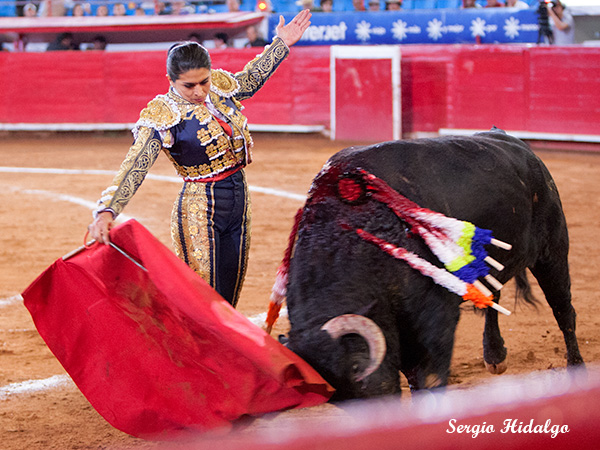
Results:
x,y
575,361
433,381
496,369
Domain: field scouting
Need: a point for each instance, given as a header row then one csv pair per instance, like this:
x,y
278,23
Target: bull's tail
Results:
x,y
523,289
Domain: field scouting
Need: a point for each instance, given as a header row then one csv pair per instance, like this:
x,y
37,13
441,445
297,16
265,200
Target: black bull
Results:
x,y
492,180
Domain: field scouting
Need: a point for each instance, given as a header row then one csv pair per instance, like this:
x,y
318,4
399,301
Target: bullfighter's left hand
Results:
x,y
293,31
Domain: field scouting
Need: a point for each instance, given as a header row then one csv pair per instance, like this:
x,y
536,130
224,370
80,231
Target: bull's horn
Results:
x,y
365,327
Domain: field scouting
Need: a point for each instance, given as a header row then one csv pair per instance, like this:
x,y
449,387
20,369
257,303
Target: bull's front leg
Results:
x,y
494,351
419,378
427,348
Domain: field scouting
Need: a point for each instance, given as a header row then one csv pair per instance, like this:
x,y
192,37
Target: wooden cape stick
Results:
x,y
120,250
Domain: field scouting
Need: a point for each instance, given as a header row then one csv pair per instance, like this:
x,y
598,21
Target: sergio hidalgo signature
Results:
x,y
509,426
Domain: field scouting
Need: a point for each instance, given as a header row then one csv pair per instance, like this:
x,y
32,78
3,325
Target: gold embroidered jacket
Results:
x,y
190,135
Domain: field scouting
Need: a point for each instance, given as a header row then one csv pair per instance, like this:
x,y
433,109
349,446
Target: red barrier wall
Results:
x,y
540,89
536,89
490,88
513,413
112,87
425,72
564,89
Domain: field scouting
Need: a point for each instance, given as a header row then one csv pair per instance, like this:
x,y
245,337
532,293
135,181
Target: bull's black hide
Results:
x,y
492,180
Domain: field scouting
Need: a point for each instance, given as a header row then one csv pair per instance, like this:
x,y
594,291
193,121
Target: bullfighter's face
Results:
x,y
193,85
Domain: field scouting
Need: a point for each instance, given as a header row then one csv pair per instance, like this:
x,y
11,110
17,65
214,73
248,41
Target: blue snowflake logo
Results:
x,y
399,29
511,27
434,29
477,27
363,31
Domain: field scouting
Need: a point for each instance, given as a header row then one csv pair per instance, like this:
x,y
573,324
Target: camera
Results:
x,y
544,31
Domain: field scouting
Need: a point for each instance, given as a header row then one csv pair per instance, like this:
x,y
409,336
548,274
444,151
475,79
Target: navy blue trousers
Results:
x,y
210,227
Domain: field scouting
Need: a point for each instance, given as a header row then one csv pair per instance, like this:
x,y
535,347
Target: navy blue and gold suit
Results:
x,y
209,145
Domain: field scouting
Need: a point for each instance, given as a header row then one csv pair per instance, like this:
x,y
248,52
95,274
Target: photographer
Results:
x,y
562,23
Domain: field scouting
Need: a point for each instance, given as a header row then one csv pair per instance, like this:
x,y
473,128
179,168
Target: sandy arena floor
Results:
x,y
44,215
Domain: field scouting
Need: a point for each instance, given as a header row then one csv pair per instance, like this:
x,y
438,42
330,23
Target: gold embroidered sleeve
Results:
x,y
141,156
260,69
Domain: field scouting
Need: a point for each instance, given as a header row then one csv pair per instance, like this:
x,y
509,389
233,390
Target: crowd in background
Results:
x,y
559,17
46,8
178,7
66,41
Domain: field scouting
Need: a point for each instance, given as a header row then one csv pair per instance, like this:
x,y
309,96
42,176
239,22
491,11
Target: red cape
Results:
x,y
160,352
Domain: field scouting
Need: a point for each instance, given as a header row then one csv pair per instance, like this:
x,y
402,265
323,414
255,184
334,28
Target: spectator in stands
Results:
x,y
195,37
470,4
98,43
254,39
179,8
160,9
233,5
359,5
64,41
29,10
139,11
78,10
326,5
393,5
221,40
374,5
119,9
102,10
562,23
519,4
199,124
52,8
493,4
308,4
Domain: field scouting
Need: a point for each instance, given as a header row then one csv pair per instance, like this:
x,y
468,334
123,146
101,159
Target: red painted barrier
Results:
x,y
489,86
541,89
545,411
534,89
564,86
426,71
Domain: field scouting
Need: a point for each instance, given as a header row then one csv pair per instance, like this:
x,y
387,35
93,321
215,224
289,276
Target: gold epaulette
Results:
x,y
161,114
223,83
